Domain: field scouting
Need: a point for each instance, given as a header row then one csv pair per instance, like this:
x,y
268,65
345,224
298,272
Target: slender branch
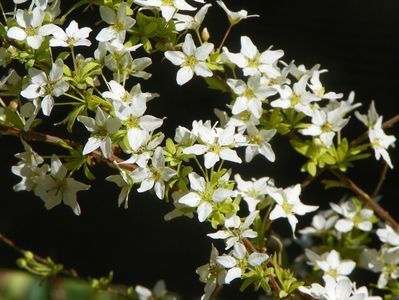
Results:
x,y
387,124
380,181
50,139
382,213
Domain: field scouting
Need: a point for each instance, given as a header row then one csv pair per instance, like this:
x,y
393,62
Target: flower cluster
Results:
x,y
197,168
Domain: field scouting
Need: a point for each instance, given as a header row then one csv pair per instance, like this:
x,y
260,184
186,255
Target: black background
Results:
x,y
357,41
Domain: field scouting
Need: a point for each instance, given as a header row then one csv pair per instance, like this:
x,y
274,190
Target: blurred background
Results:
x,y
357,41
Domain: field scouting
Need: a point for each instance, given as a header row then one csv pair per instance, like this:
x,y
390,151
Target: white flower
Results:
x,y
354,216
154,176
297,98
186,22
388,235
253,191
258,143
202,195
230,264
235,17
125,181
319,90
138,125
331,264
325,124
216,144
250,95
191,60
381,142
29,23
236,230
71,37
288,205
211,274
168,8
385,262
333,290
321,223
59,187
119,21
48,86
371,118
252,61
101,128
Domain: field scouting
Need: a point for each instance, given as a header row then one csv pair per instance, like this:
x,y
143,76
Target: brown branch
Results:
x,y
387,124
380,181
50,139
382,213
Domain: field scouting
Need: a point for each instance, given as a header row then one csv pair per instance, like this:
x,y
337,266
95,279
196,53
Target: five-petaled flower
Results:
x,y
191,60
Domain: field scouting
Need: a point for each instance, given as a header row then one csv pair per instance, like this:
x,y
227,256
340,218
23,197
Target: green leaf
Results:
x,y
311,168
170,146
73,115
150,28
215,83
13,118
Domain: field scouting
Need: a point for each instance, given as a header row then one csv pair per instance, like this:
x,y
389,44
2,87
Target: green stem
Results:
x,y
74,97
225,37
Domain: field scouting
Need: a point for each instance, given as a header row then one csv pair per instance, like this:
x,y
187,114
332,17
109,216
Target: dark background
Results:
x,y
357,41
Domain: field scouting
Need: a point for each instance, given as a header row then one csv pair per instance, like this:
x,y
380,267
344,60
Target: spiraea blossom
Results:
x,y
167,8
101,128
253,191
258,143
29,25
288,205
58,187
47,86
119,22
353,215
249,95
297,98
71,37
154,175
252,61
325,125
191,60
215,144
235,17
381,142
186,22
203,195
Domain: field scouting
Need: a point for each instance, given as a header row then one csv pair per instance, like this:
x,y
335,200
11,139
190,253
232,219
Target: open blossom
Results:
x,y
236,230
168,8
191,60
252,61
216,144
253,191
71,37
125,182
325,124
119,22
258,143
381,142
288,205
29,25
186,22
297,98
235,17
249,95
47,86
101,129
341,289
58,187
353,216
321,223
388,235
202,195
371,118
155,175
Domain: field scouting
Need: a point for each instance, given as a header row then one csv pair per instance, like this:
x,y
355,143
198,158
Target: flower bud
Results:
x,y
205,35
13,105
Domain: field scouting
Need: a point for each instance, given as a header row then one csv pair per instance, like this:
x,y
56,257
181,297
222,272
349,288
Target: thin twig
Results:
x,y
380,181
50,139
382,213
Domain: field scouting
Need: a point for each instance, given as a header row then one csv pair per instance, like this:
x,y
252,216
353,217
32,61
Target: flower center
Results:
x,y
31,31
167,2
132,123
287,207
295,99
256,139
191,61
249,94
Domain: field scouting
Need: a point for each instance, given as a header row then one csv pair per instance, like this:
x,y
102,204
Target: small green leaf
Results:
x,y
73,115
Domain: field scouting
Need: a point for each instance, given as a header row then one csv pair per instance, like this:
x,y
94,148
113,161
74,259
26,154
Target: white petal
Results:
x,y
204,210
184,75
92,144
